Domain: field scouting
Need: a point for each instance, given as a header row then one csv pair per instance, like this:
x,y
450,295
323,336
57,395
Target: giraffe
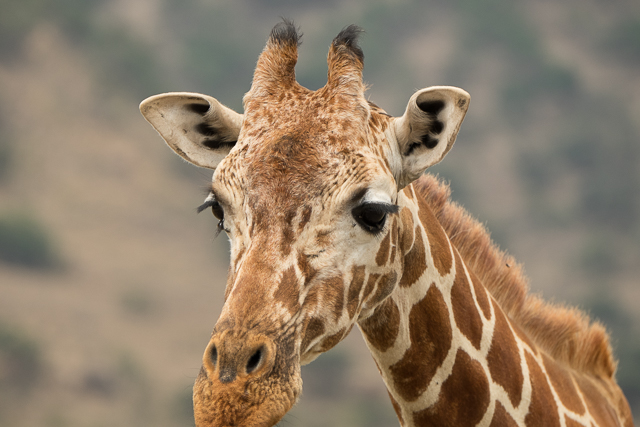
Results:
x,y
333,223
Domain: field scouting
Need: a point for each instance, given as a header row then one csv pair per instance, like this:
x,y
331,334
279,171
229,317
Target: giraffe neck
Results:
x,y
450,356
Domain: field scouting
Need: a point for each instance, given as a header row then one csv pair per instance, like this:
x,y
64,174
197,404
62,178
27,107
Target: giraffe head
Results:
x,y
306,186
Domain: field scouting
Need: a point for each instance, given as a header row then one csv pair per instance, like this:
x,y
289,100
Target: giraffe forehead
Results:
x,y
292,171
307,139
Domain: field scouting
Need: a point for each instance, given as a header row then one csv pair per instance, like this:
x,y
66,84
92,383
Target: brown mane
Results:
x,y
566,334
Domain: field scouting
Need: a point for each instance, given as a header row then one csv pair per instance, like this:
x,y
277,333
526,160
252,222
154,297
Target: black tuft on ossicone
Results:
x,y
349,37
286,33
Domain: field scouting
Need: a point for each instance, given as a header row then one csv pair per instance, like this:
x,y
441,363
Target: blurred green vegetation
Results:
x,y
122,61
5,158
21,365
624,40
26,242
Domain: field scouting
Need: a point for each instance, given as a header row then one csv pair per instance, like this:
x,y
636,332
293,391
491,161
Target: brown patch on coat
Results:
x,y
383,252
305,218
288,291
331,341
378,121
415,261
288,236
308,272
385,286
543,410
381,328
368,289
465,312
407,236
312,299
438,240
313,329
431,335
505,365
463,399
567,335
524,337
597,404
353,296
563,384
501,418
333,294
481,295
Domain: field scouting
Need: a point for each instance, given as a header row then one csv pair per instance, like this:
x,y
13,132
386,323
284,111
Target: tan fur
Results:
x,y
566,334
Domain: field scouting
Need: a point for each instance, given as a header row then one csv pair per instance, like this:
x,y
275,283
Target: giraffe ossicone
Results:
x,y
332,223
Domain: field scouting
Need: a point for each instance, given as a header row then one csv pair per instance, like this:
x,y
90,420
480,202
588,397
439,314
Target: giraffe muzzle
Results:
x,y
244,381
236,356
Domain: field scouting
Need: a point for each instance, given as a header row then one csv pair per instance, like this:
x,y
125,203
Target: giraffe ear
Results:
x,y
197,127
428,129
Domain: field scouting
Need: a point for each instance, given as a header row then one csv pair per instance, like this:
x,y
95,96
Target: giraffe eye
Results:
x,y
372,216
217,210
215,206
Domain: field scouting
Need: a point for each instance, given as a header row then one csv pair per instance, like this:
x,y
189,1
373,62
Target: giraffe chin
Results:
x,y
256,403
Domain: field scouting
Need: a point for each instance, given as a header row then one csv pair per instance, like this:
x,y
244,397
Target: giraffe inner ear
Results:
x,y
428,129
197,127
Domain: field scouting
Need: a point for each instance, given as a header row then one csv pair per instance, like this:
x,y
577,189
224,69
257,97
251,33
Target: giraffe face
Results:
x,y
305,217
306,187
305,220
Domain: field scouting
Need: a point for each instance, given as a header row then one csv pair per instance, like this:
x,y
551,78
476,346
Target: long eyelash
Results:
x,y
207,204
219,229
383,207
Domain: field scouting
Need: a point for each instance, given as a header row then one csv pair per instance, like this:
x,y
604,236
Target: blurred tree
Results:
x,y
20,361
24,241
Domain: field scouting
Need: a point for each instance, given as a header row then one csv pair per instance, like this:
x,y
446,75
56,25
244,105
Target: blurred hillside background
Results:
x,y
110,284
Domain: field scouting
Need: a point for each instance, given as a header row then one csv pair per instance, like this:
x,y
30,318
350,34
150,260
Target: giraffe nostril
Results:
x,y
254,361
214,355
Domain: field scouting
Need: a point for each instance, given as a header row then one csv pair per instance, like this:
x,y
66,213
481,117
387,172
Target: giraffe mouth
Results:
x,y
254,402
246,379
